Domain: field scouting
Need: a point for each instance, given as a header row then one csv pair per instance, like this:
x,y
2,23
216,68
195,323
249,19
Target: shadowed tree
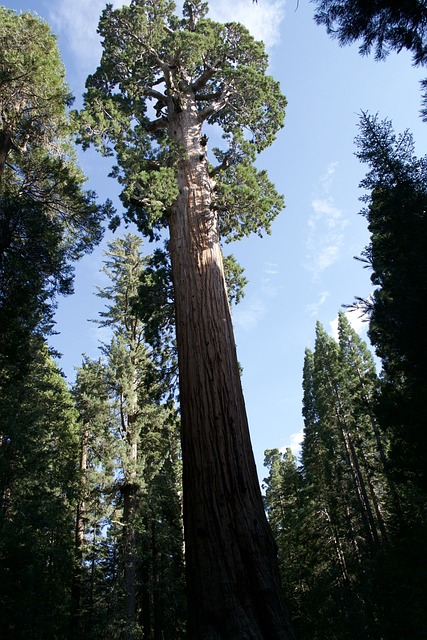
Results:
x,y
396,215
382,26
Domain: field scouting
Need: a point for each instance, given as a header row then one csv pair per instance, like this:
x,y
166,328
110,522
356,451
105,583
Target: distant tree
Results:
x,y
161,80
145,430
287,510
129,525
91,589
331,515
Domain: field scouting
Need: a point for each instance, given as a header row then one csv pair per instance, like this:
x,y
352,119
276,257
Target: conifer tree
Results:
x,y
39,483
396,215
47,219
133,539
95,507
341,507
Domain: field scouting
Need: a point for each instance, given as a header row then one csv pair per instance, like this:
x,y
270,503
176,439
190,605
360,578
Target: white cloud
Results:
x,y
295,443
247,315
325,227
271,268
356,319
77,21
327,179
263,19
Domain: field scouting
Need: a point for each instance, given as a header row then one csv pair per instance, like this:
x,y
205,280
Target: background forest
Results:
x,y
91,523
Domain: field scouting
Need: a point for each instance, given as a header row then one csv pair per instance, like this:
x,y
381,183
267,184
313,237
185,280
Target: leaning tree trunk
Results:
x,y
233,584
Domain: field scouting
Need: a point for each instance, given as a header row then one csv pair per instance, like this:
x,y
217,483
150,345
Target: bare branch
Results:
x,y
157,95
207,97
145,202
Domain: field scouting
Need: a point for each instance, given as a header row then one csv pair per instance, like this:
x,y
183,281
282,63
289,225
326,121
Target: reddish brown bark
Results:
x,y
232,576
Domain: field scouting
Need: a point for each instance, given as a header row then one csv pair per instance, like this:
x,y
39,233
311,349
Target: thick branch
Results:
x,y
157,95
156,125
223,165
207,74
207,97
215,105
145,202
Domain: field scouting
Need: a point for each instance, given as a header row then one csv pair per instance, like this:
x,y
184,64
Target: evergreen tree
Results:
x,y
332,516
131,436
287,514
38,476
396,215
92,583
160,81
47,219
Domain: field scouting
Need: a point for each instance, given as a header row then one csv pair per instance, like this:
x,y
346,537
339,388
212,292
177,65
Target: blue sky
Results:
x,y
305,270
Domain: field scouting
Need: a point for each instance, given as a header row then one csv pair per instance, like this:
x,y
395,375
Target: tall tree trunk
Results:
x,y
129,556
76,587
129,507
5,147
233,584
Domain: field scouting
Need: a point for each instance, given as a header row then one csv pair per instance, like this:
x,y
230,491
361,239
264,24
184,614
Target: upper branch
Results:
x,y
223,165
216,105
156,125
204,77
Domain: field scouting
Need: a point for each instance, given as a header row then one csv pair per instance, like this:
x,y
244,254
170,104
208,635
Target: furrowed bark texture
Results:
x,y
232,577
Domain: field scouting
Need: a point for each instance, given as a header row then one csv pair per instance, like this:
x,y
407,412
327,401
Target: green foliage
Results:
x,y
332,516
47,219
383,25
38,479
396,214
147,50
131,576
246,201
32,82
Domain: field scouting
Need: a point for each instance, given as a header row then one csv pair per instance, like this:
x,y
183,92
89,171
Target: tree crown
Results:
x,y
153,65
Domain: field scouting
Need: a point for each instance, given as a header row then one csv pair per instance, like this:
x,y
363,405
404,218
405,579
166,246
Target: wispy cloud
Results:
x,y
313,309
77,21
325,227
263,19
249,313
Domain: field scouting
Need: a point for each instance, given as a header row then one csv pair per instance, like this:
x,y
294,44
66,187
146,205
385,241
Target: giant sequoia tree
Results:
x,y
160,83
